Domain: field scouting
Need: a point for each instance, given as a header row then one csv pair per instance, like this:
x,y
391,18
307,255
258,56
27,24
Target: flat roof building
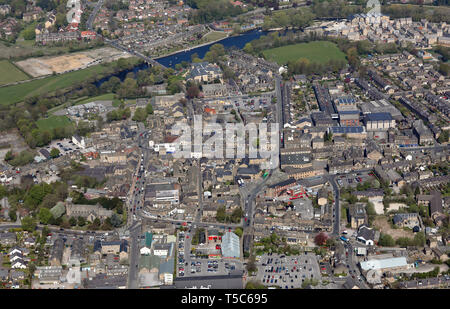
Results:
x,y
385,264
230,245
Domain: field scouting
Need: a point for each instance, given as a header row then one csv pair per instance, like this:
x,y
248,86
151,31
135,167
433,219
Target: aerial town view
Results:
x,y
224,145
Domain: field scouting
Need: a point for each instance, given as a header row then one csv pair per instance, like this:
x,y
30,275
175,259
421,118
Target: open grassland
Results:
x,y
17,93
48,124
9,73
317,51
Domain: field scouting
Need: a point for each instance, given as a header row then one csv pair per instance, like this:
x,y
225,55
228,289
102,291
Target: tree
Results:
x,y
370,209
149,109
251,264
140,114
81,221
72,221
116,220
237,214
386,240
320,239
193,91
29,34
419,239
28,224
36,195
238,231
44,215
9,156
221,214
248,48
3,192
443,137
45,232
352,57
54,153
13,214
95,225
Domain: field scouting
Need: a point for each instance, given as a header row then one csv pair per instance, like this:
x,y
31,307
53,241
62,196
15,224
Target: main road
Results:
x,y
93,14
135,231
337,208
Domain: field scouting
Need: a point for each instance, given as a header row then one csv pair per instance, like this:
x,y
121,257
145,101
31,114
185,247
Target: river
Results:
x,y
233,41
238,41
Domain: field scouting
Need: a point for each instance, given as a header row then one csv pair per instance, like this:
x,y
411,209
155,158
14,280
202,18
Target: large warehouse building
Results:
x,y
379,121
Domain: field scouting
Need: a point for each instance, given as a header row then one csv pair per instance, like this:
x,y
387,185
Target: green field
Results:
x,y
53,122
317,51
17,93
214,35
103,97
9,73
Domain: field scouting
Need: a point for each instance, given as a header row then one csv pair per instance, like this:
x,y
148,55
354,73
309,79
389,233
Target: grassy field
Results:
x,y
53,122
9,73
214,35
17,93
103,97
317,51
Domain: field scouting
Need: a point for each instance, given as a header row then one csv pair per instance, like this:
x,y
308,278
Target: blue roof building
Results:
x,y
379,121
378,116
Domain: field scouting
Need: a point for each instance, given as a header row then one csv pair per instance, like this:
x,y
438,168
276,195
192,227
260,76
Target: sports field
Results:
x,y
9,73
53,122
317,51
17,93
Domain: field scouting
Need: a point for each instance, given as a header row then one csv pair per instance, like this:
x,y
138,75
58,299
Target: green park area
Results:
x,y
9,73
17,93
317,51
48,124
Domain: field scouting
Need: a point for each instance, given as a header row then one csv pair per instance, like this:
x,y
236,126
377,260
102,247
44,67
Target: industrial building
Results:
x,y
349,118
379,122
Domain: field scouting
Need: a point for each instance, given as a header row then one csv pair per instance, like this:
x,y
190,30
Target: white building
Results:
x,y
145,251
79,141
396,263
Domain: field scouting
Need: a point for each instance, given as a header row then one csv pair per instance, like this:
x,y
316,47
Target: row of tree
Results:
x,y
234,217
209,11
416,12
386,240
292,18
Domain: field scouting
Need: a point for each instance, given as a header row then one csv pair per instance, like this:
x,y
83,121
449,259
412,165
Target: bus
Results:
x,y
343,239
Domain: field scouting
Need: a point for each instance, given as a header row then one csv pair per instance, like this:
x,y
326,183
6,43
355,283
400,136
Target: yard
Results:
x,y
53,122
317,51
381,223
9,73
